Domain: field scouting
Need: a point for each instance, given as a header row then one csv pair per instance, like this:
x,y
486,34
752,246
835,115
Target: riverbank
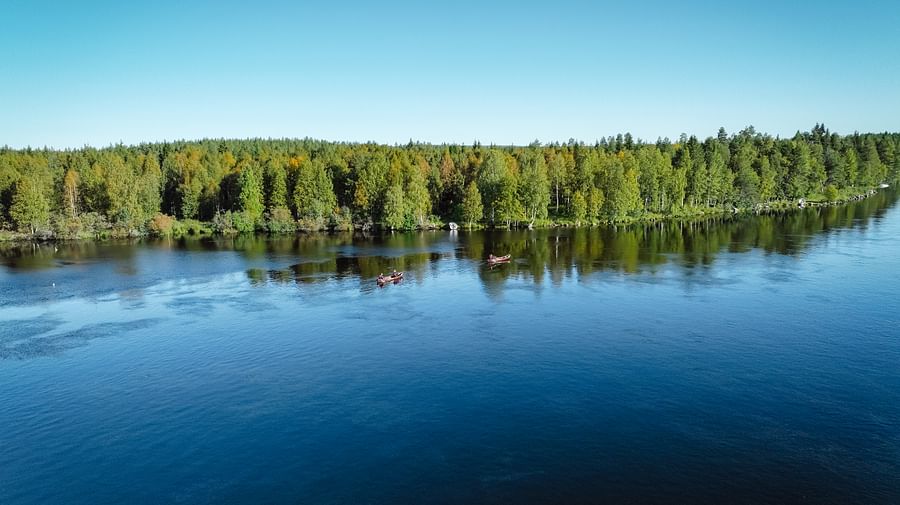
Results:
x,y
167,226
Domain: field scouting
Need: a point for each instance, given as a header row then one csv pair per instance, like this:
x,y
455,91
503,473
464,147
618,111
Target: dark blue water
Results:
x,y
753,361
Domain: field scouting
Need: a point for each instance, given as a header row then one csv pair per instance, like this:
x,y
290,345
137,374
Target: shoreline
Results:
x,y
200,229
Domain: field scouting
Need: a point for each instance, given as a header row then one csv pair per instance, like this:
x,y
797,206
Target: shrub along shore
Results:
x,y
280,186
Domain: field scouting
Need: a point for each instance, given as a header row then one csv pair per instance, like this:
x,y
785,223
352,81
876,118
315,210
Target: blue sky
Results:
x,y
76,73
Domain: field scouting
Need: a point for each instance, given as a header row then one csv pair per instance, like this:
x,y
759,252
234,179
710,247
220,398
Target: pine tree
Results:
x,y
276,182
251,196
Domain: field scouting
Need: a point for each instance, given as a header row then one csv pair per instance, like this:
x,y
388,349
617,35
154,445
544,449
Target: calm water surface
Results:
x,y
754,361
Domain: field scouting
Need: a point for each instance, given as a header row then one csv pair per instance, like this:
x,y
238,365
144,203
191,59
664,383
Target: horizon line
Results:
x,y
569,141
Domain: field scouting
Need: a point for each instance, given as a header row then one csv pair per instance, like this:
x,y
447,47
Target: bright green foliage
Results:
x,y
631,192
798,184
872,171
558,174
314,196
70,193
718,178
652,180
417,198
767,181
280,220
697,176
509,207
836,167
30,209
370,186
244,222
594,203
817,174
623,194
472,209
746,178
492,178
276,184
852,160
251,197
149,186
188,177
579,207
394,208
534,187
123,193
256,184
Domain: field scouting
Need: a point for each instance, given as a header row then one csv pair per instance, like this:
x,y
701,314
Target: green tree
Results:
x,y
314,196
534,187
718,177
276,184
594,201
251,196
418,199
852,160
579,207
509,207
70,193
558,175
872,171
491,181
394,208
767,180
800,171
149,186
30,208
122,192
746,178
370,185
472,209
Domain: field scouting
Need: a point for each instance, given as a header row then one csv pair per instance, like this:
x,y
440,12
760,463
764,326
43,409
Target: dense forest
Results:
x,y
230,186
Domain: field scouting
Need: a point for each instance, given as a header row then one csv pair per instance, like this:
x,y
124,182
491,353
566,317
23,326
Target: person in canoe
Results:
x,y
394,277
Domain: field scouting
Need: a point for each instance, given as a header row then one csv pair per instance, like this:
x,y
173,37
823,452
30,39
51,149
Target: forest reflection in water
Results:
x,y
546,255
551,255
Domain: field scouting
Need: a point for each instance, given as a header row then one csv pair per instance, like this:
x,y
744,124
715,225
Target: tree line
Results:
x,y
281,185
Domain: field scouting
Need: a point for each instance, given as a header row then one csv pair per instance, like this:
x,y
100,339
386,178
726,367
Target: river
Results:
x,y
753,360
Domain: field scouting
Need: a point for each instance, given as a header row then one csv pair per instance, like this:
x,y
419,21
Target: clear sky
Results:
x,y
76,73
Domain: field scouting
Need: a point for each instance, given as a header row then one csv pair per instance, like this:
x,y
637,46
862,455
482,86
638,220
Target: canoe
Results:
x,y
389,278
498,259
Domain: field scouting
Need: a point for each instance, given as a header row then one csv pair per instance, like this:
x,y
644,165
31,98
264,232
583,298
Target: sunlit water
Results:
x,y
754,361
